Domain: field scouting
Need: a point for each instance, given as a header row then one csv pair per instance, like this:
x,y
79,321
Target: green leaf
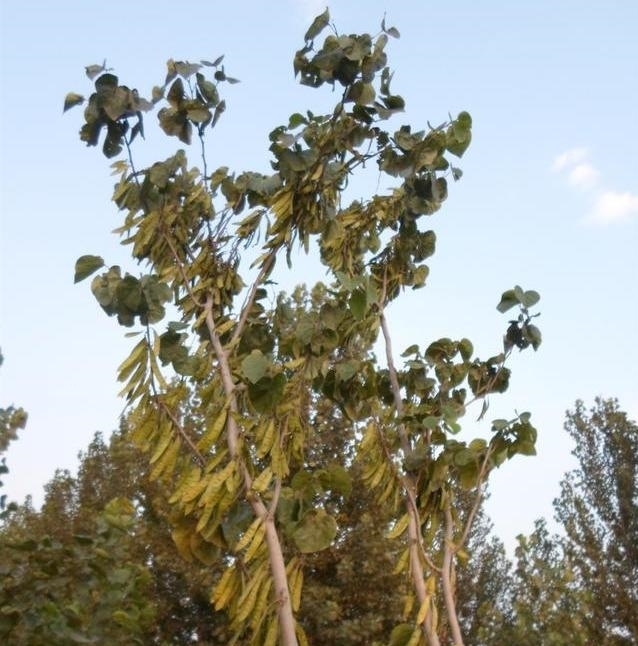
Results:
x,y
86,265
215,63
317,26
464,120
335,478
175,94
186,69
530,298
413,349
119,513
315,532
466,349
255,366
71,100
361,93
219,110
477,445
401,635
508,300
358,302
297,120
207,89
391,31
533,335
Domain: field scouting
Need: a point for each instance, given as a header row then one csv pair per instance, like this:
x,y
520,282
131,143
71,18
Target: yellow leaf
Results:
x,y
168,461
212,434
255,544
400,526
138,354
402,563
261,482
265,443
423,610
272,634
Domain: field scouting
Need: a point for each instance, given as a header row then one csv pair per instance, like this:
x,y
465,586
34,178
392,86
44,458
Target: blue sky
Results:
x,y
548,200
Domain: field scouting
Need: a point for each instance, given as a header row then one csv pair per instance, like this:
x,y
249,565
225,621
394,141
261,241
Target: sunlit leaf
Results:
x,y
255,366
315,532
87,265
71,100
317,26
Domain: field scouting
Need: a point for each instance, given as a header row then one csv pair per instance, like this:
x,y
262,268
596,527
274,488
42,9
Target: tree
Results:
x,y
11,421
484,585
579,586
80,591
598,508
229,438
175,591
547,605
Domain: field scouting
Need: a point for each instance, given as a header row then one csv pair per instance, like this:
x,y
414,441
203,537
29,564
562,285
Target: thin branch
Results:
x,y
485,391
275,553
263,272
275,499
180,429
227,378
180,267
477,502
414,523
446,582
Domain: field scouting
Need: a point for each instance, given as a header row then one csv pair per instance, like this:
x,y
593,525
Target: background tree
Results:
x,y
579,586
230,440
11,421
598,509
484,585
547,605
79,591
177,590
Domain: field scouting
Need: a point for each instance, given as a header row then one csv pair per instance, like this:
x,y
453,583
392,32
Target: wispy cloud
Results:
x,y
607,206
612,206
569,158
583,176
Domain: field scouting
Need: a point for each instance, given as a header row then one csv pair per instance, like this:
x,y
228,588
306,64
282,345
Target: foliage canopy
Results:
x,y
257,373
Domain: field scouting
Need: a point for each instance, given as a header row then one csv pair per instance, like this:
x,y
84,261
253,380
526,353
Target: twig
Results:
x,y
191,445
180,267
477,501
263,272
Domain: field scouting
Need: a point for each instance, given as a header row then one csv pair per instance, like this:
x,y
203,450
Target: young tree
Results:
x,y
254,369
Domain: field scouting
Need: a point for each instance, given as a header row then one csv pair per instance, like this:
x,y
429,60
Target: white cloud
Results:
x,y
569,158
606,206
583,176
612,206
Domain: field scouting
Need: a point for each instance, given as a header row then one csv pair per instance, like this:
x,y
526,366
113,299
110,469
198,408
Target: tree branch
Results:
x,y
477,501
182,432
265,270
275,553
414,523
446,576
